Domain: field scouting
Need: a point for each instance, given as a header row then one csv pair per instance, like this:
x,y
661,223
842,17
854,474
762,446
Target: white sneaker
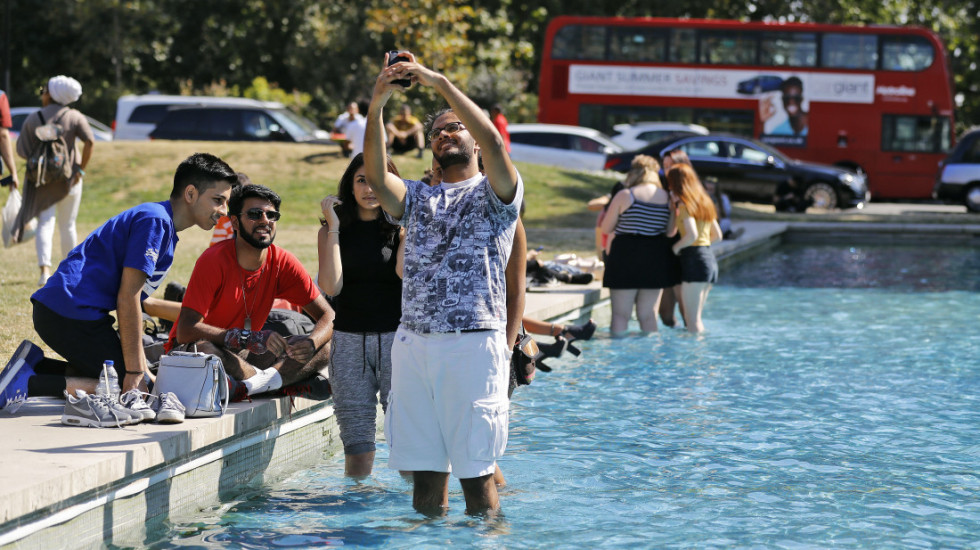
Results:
x,y
89,410
169,409
133,401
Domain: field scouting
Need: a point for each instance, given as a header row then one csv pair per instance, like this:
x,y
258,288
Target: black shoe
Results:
x,y
174,292
316,387
581,278
555,349
579,332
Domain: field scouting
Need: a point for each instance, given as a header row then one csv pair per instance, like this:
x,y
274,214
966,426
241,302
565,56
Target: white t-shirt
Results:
x,y
355,135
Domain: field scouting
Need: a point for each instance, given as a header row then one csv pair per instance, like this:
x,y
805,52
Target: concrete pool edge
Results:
x,y
91,486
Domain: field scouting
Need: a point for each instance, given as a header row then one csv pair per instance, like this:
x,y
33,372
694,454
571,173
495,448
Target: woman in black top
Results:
x,y
360,269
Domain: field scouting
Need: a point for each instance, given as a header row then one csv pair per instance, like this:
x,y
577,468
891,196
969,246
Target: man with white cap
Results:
x,y
56,95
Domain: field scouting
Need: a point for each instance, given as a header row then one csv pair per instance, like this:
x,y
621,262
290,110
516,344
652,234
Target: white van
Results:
x,y
138,115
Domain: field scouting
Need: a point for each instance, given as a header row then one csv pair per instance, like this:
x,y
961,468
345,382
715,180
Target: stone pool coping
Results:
x,y
60,483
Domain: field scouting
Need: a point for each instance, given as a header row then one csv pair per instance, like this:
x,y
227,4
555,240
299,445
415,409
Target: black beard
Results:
x,y
257,244
457,157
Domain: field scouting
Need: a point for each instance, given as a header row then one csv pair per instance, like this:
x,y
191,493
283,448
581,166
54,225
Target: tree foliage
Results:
x,y
320,55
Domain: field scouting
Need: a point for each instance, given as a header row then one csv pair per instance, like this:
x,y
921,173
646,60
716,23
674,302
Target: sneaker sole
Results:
x,y
24,350
72,420
169,419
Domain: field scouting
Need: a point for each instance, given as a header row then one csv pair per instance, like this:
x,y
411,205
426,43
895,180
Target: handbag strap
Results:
x,y
223,390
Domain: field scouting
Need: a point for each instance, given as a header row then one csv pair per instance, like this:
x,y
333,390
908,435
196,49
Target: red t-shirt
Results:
x,y
218,283
5,119
500,122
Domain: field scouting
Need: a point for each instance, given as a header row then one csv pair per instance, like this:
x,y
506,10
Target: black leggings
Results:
x,y
85,345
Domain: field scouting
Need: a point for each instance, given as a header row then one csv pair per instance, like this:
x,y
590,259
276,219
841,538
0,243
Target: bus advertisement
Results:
x,y
870,99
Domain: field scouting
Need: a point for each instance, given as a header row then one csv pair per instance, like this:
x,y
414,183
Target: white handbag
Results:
x,y
197,379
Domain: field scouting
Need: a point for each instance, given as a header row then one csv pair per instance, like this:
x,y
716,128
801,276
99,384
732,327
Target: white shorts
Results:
x,y
448,407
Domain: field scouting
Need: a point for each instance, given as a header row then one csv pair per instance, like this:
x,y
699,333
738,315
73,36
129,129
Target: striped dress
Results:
x,y
641,255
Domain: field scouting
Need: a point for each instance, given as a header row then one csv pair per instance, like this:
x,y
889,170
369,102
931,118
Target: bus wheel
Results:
x,y
821,195
972,198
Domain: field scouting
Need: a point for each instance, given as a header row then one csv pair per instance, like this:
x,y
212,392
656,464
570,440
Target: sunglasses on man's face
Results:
x,y
255,214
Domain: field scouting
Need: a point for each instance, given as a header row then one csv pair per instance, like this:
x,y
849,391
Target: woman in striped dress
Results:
x,y
640,263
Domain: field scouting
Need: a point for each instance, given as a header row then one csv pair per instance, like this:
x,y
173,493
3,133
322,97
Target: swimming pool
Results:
x,y
806,417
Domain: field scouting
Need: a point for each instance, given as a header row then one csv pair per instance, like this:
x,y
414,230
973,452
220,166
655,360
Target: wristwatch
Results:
x,y
243,338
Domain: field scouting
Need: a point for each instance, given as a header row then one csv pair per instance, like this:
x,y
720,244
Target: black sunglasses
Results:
x,y
255,214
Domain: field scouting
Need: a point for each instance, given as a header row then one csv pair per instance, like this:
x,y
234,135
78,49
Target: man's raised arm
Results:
x,y
388,188
500,171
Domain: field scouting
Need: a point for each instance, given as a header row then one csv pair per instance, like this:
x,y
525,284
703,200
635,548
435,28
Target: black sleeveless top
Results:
x,y
371,298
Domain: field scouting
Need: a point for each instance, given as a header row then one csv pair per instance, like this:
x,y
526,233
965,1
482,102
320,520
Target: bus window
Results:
x,y
578,42
850,51
683,46
914,134
906,53
739,122
788,49
728,47
637,44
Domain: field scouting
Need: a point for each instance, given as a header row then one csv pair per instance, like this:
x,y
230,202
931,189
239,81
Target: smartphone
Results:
x,y
7,180
539,249
396,57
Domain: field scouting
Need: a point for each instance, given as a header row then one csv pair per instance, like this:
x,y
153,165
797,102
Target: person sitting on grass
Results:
x,y
230,294
115,268
405,132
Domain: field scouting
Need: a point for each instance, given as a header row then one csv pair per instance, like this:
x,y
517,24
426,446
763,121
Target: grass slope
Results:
x,y
123,174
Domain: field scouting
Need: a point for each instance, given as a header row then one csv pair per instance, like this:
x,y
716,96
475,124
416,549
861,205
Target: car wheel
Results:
x,y
821,195
972,198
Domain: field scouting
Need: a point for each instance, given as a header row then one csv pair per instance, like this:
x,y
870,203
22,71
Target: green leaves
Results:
x,y
329,53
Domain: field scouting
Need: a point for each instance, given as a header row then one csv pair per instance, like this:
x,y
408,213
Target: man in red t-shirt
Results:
x,y
500,123
7,144
231,292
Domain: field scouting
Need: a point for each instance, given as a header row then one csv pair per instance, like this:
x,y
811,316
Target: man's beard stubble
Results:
x,y
259,245
459,156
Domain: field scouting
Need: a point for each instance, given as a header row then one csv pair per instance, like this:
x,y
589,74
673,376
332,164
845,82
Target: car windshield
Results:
x,y
295,125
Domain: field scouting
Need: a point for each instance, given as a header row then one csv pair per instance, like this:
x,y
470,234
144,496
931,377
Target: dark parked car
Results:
x,y
749,170
959,173
222,123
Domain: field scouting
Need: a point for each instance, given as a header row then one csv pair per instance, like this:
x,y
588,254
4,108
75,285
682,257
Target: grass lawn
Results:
x,y
123,174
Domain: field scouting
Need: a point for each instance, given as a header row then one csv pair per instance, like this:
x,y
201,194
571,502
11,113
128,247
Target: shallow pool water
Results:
x,y
805,418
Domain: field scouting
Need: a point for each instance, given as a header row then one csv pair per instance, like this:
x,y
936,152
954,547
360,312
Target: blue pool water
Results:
x,y
807,417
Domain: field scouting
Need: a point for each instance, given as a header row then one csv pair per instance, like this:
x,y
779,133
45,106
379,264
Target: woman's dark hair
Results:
x,y
347,210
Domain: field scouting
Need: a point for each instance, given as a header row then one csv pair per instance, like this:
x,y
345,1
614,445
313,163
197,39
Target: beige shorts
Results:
x,y
448,407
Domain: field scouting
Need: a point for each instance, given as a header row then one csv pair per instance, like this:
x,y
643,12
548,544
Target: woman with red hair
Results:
x,y
696,219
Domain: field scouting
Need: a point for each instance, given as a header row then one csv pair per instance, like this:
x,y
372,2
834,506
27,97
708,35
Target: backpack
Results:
x,y
50,162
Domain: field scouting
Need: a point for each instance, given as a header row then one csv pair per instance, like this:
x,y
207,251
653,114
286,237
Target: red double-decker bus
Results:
x,y
875,99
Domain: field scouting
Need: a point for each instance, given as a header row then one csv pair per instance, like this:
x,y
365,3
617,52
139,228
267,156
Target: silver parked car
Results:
x,y
18,115
959,173
634,136
559,145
